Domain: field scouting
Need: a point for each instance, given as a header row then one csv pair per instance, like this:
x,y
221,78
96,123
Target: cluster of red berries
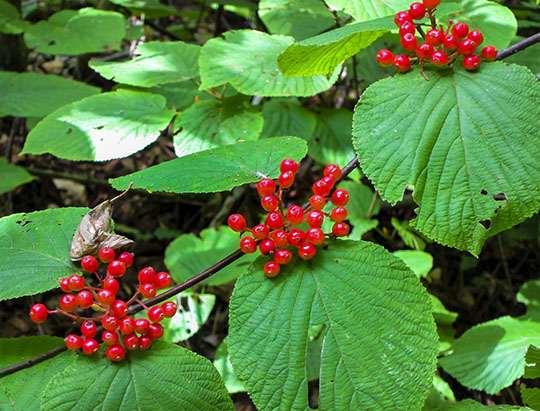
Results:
x,y
440,47
279,235
121,331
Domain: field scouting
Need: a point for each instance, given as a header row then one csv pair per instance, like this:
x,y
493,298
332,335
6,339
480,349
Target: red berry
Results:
x,y
315,235
417,11
280,238
274,220
107,254
460,30
431,4
89,263
315,218
476,36
147,275
127,325
76,282
286,179
90,346
451,42
169,308
271,269
141,325
307,251
409,42
126,258
110,322
385,57
424,50
162,280
260,232
332,170
340,229
489,53
466,47
88,329
155,331
116,268
266,186
296,237
85,299
288,165
131,342
439,58
73,342
317,202
269,203
119,308
68,303
145,342
472,62
295,214
248,245
237,222
64,285
109,337
405,28
283,256
38,313
148,290
340,197
267,246
402,17
435,37
329,181
106,297
321,188
338,214
115,353
402,63
111,284
156,314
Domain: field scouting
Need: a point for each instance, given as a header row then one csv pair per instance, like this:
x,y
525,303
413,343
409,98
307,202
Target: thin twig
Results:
x,y
522,45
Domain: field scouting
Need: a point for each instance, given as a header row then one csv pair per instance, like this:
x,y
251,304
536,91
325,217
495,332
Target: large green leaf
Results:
x,y
529,294
491,355
36,95
287,117
247,59
181,95
34,249
418,261
532,362
462,140
166,377
472,405
363,10
22,390
151,9
224,167
223,364
211,123
10,21
530,397
379,350
75,32
12,176
156,63
102,127
189,254
300,18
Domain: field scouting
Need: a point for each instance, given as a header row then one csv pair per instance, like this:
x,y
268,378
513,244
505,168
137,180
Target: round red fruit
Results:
x,y
476,36
148,290
116,353
489,53
466,47
85,299
237,222
274,220
116,268
404,29
315,218
64,285
340,229
296,237
283,256
155,331
424,51
111,284
88,329
248,245
109,337
73,342
90,346
156,314
385,57
402,17
269,202
76,283
402,63
127,325
106,297
332,170
162,280
107,254
439,58
145,342
131,342
147,275
267,246
110,322
266,186
119,308
320,187
451,42
271,269
142,325
409,42
38,313
126,258
288,164
460,30
89,263
317,202
435,37
68,303
260,232
169,308
286,179
431,4
339,214
280,238
315,235
417,11
295,214
307,251
472,63
340,197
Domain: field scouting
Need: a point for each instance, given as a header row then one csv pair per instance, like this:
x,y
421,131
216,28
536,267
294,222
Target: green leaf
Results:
x,y
363,10
165,377
10,22
223,364
530,397
182,95
409,237
102,127
490,356
439,395
378,352
287,117
156,63
151,9
532,362
12,176
211,123
75,32
300,19
418,261
22,390
471,405
529,294
247,59
442,315
36,95
189,254
462,140
34,249
187,322
224,167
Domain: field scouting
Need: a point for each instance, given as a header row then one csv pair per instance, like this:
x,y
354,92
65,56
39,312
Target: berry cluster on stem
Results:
x,y
439,46
280,236
121,331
